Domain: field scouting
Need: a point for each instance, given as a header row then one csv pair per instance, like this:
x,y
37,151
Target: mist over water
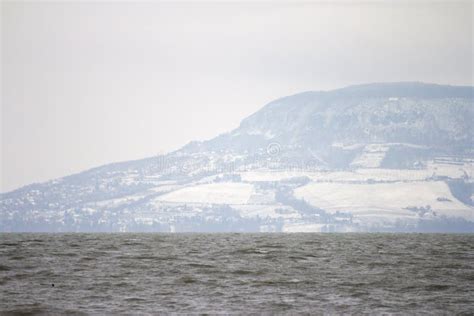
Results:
x,y
226,273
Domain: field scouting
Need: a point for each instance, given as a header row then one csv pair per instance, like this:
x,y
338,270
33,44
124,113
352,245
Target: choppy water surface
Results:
x,y
219,273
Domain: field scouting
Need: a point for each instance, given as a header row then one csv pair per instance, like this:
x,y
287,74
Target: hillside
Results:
x,y
377,157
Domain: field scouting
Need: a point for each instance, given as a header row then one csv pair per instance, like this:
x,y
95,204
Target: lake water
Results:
x,y
236,273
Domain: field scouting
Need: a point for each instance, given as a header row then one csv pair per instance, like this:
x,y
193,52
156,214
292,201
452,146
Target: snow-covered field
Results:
x,y
359,175
384,199
118,201
214,193
371,157
433,169
301,227
452,170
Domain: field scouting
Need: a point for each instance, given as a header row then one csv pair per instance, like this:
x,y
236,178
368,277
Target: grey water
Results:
x,y
236,273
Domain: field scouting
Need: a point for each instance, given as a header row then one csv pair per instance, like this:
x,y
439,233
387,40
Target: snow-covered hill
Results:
x,y
378,157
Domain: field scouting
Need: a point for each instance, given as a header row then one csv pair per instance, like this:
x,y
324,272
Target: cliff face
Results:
x,y
413,113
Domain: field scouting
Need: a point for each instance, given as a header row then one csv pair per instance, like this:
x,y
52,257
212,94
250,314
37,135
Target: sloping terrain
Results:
x,y
379,157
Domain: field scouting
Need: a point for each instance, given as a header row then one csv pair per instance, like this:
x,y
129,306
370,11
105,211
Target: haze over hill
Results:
x,y
376,157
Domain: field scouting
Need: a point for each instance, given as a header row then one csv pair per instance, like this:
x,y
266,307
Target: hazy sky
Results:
x,y
88,83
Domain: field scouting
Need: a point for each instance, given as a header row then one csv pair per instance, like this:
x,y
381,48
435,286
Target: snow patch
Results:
x,y
214,193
